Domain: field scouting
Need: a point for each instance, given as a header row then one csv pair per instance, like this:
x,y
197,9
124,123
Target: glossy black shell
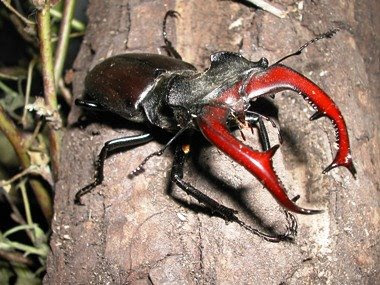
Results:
x,y
120,83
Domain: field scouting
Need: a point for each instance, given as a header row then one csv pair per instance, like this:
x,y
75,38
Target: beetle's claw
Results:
x,y
295,198
292,227
349,165
352,169
317,115
173,13
78,201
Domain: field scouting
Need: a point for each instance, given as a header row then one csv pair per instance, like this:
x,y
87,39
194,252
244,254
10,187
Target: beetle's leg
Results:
x,y
253,117
265,143
279,77
110,146
88,105
177,177
263,134
160,152
168,44
226,213
212,123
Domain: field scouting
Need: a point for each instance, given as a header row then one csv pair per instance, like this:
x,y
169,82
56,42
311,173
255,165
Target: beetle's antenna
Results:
x,y
140,168
326,35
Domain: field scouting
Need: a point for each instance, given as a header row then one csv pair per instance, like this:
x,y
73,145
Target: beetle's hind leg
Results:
x,y
226,213
99,165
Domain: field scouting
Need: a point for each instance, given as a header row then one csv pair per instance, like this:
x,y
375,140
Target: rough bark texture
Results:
x,y
132,232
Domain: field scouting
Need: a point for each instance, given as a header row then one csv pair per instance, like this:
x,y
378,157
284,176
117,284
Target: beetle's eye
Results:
x,y
158,72
263,62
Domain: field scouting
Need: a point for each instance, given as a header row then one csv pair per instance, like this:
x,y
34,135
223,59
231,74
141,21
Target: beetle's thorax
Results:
x,y
175,98
188,94
154,102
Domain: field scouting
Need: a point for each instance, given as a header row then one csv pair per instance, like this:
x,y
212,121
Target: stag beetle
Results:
x,y
171,94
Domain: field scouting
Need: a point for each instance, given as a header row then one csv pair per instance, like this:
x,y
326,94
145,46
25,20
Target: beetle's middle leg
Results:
x,y
226,213
110,146
160,152
168,44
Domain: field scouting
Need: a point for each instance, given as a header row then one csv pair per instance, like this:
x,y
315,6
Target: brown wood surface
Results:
x,y
133,232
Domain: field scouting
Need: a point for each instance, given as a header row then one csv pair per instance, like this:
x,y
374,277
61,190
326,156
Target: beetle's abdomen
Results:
x,y
119,83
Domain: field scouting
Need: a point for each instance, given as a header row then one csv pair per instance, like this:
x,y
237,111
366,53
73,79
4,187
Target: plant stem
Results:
x,y
75,24
8,90
23,247
17,257
15,177
43,26
17,140
14,11
65,92
63,39
9,77
25,199
27,91
19,228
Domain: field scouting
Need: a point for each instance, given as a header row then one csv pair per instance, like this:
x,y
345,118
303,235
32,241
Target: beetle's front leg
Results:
x,y
263,134
279,77
256,118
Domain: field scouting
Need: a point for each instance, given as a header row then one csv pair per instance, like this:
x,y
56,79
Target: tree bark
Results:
x,y
130,231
